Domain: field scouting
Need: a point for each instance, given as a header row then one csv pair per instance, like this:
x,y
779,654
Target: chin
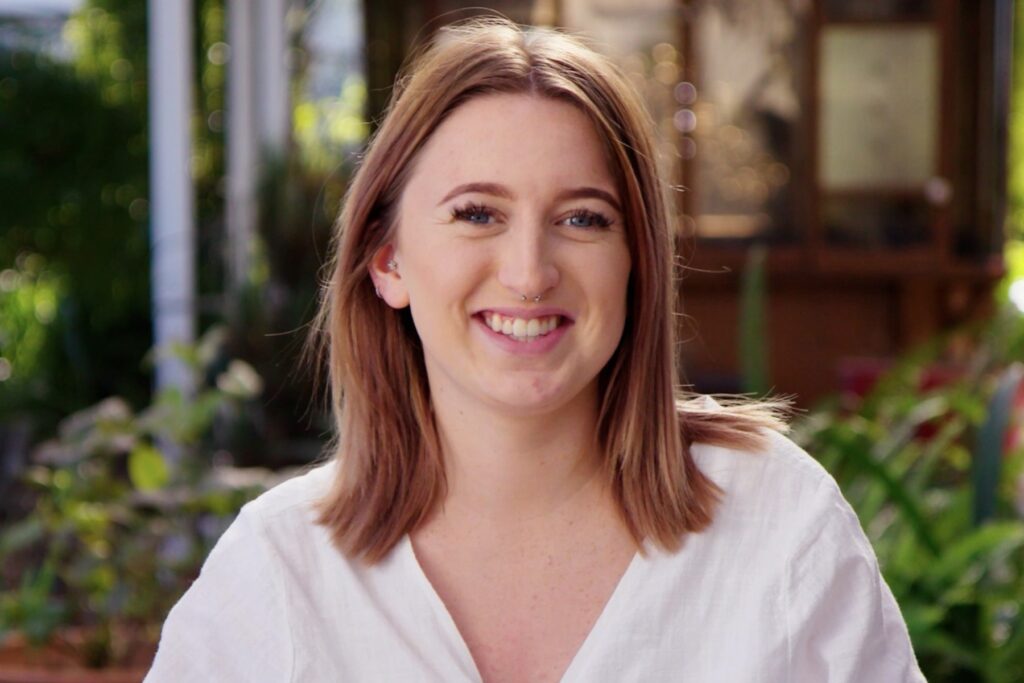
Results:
x,y
533,397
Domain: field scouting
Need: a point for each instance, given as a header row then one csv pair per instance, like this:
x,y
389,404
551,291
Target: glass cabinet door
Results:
x,y
795,122
878,124
748,150
723,82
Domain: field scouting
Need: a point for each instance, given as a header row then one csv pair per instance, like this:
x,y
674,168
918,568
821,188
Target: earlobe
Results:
x,y
387,277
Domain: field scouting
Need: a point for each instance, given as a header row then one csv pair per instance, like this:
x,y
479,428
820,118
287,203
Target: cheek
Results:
x,y
618,271
440,282
618,292
607,286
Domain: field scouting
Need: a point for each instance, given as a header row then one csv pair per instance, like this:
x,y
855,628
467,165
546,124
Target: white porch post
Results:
x,y
259,122
272,66
242,157
172,218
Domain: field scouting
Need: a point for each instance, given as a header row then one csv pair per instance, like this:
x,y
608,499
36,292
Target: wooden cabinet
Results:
x,y
892,136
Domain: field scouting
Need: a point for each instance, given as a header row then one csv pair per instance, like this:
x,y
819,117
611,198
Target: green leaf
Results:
x,y
20,535
859,453
980,546
922,618
948,649
753,339
33,609
240,381
147,468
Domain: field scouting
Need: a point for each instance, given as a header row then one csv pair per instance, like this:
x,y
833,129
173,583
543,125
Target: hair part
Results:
x,y
391,471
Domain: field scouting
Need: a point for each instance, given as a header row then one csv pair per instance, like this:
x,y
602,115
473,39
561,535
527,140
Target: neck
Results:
x,y
509,469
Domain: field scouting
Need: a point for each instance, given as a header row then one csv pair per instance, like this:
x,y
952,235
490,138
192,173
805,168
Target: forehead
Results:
x,y
528,142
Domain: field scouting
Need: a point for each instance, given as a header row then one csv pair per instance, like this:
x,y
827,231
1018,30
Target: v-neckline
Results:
x,y
608,611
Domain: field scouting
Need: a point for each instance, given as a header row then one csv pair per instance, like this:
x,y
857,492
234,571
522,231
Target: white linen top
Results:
x,y
783,587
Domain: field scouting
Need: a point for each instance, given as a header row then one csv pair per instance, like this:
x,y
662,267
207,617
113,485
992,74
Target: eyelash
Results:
x,y
467,212
598,221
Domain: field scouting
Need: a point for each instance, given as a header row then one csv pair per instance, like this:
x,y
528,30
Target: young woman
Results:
x,y
519,491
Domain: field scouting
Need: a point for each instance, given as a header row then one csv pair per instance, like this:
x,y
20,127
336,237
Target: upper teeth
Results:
x,y
520,327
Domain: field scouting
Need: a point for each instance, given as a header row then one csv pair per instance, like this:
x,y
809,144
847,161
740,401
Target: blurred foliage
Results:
x,y
1013,257
269,318
73,187
329,128
905,457
108,38
753,332
300,193
126,507
29,298
1015,182
75,192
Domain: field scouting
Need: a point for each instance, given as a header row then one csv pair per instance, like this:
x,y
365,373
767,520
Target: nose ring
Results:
x,y
536,299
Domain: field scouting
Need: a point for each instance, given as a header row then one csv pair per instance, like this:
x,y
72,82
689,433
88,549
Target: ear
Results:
x,y
386,273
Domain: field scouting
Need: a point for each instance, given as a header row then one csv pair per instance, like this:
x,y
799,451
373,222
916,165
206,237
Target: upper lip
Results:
x,y
528,313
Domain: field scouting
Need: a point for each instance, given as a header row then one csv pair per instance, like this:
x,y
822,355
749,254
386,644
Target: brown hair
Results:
x,y
391,473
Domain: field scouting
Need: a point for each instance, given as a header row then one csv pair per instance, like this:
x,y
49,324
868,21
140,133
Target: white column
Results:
x,y
272,86
242,153
172,226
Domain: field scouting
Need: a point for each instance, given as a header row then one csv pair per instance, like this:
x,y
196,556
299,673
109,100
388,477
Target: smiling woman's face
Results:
x,y
512,197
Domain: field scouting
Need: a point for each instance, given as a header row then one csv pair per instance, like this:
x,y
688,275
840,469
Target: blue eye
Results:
x,y
473,213
585,219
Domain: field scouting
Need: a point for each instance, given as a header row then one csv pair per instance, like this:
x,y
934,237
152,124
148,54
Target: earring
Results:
x,y
392,264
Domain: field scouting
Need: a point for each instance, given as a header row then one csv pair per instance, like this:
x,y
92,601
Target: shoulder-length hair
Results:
x,y
391,472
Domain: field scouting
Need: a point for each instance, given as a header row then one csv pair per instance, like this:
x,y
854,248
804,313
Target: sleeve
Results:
x,y
843,622
231,625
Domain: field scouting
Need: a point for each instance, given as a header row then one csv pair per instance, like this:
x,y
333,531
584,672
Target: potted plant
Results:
x,y
125,507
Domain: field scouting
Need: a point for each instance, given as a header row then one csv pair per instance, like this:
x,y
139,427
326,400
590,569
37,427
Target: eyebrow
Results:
x,y
498,190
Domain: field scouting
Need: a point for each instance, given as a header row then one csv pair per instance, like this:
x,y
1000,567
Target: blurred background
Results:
x,y
851,220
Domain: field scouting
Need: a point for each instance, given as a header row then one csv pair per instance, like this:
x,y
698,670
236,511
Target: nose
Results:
x,y
527,266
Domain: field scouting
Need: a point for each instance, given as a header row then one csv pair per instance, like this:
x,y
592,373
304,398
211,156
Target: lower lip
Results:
x,y
540,345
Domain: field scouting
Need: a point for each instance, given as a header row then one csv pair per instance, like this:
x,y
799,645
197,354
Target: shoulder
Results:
x,y
288,507
273,537
234,622
268,528
283,520
777,469
777,494
293,496
741,445
782,512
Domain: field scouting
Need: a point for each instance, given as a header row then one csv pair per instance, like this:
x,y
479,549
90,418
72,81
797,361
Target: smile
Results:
x,y
521,329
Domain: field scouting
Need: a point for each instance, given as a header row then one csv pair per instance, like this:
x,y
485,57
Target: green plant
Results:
x,y
753,332
29,296
906,460
127,506
75,194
